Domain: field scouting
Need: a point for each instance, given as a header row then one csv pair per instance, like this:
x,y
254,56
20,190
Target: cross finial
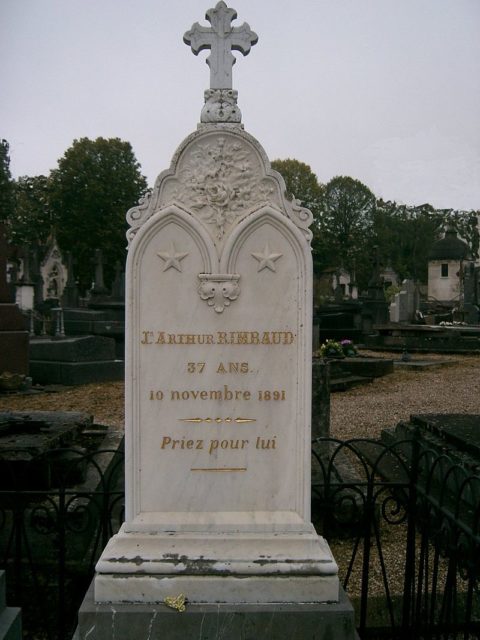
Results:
x,y
221,38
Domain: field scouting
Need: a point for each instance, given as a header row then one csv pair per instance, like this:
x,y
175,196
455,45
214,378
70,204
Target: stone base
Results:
x,y
217,568
214,622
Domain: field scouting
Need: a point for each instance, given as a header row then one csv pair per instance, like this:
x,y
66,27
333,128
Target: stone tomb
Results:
x,y
218,382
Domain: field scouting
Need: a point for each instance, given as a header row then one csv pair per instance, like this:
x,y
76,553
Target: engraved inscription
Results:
x,y
193,435
220,337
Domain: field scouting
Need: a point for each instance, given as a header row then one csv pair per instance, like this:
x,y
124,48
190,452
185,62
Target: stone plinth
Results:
x,y
216,622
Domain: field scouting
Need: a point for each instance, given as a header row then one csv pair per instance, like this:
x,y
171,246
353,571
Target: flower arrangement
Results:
x,y
331,349
348,348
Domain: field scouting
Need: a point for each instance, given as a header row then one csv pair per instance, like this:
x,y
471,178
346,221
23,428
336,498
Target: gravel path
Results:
x,y
364,411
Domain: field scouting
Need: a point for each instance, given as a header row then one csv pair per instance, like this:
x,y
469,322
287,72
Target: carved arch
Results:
x,y
168,215
251,223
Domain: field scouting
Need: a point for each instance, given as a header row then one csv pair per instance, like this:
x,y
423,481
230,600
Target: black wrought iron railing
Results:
x,y
403,523
404,526
57,512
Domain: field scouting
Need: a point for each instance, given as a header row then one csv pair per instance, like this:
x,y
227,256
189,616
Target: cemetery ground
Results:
x,y
360,412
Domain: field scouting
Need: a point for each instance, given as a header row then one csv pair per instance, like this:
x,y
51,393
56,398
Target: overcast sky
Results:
x,y
385,91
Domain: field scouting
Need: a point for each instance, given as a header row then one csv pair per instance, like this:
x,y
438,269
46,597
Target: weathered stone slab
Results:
x,y
77,349
74,360
73,373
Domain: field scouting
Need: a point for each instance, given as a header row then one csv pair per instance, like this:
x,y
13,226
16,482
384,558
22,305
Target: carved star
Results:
x,y
267,259
172,258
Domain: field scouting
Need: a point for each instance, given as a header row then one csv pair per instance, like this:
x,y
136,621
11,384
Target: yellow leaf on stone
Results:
x,y
176,602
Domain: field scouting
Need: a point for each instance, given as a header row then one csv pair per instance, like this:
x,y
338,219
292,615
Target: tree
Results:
x,y
95,184
303,184
7,202
346,224
33,218
466,225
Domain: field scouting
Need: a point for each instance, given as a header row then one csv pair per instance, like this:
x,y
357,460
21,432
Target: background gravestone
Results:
x,y
13,336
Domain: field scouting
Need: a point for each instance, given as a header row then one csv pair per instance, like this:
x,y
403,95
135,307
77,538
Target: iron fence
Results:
x,y
57,512
402,521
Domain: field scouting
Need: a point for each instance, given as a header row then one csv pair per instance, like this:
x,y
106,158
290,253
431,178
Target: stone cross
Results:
x,y
221,38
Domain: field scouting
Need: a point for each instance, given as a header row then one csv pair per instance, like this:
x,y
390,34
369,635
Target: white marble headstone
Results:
x,y
218,387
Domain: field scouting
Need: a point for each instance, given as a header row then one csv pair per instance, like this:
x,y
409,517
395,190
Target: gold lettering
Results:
x,y
226,393
227,444
221,337
233,367
266,443
146,336
166,441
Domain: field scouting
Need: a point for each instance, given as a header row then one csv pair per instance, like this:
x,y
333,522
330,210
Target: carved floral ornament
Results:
x,y
220,182
219,178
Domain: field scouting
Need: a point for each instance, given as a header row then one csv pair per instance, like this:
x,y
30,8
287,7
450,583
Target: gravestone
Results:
x,y
218,394
13,336
25,288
